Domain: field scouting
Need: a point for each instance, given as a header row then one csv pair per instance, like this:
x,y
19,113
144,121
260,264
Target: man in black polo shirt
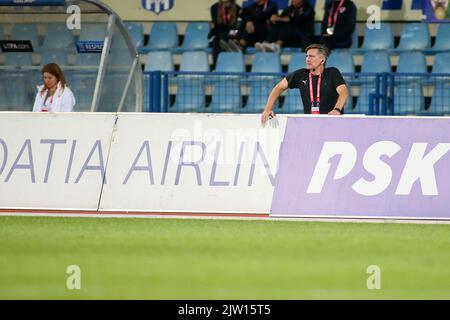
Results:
x,y
323,90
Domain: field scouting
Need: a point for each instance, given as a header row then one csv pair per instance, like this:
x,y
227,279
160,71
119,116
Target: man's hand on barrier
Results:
x,y
266,115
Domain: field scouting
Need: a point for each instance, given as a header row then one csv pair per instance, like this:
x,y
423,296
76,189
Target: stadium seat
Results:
x,y
292,103
259,92
297,61
230,62
411,62
18,59
441,63
343,60
414,36
408,99
378,39
440,101
266,62
195,61
190,97
54,56
159,60
226,96
82,82
163,36
3,100
195,37
2,34
362,104
58,37
88,59
136,32
93,32
442,38
26,31
376,62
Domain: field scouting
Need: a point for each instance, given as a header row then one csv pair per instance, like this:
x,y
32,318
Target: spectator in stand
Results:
x,y
54,95
338,24
294,28
254,27
224,15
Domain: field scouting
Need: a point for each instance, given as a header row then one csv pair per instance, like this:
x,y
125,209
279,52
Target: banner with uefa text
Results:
x,y
364,167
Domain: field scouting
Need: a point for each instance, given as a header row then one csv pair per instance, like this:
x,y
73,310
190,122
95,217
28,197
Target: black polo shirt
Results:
x,y
331,79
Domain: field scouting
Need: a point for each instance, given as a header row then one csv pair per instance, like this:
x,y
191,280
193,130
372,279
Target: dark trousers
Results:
x,y
261,34
219,33
291,37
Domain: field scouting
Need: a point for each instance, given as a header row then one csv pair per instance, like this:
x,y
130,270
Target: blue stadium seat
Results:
x,y
442,42
26,31
292,103
3,99
343,60
191,92
2,34
88,59
190,97
226,95
53,56
440,101
196,61
266,62
230,62
92,32
362,104
261,86
414,36
163,36
441,63
196,37
259,92
136,32
159,60
58,37
412,62
298,61
378,39
376,62
18,59
408,99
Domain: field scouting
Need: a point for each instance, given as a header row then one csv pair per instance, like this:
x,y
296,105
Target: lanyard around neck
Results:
x,y
332,19
311,92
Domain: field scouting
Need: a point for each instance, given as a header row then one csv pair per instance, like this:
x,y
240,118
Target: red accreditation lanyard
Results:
x,y
224,15
332,20
315,103
265,4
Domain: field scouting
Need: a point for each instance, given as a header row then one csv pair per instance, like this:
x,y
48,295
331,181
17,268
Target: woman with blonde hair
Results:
x,y
54,95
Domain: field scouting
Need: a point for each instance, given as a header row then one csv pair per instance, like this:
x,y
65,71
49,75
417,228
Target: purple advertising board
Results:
x,y
368,167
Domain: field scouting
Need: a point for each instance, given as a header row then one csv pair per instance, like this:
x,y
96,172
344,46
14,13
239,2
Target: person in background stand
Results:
x,y
224,15
54,95
294,28
338,24
254,27
323,90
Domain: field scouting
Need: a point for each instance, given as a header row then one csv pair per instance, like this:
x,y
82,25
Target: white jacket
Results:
x,y
63,100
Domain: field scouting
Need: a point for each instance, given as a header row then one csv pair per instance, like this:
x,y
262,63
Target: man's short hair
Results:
x,y
323,50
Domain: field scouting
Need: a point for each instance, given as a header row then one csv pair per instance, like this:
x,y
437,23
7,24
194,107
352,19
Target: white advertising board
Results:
x,y
53,161
192,163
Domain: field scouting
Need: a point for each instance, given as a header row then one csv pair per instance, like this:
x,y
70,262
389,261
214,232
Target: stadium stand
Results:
x,y
58,37
136,31
378,39
415,36
196,37
26,31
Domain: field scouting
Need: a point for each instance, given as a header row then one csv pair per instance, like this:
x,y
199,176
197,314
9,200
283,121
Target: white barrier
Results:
x,y
53,161
192,163
157,162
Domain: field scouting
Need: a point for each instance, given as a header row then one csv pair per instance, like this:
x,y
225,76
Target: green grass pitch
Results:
x,y
221,259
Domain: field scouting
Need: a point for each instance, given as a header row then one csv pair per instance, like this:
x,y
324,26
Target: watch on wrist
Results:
x,y
339,110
